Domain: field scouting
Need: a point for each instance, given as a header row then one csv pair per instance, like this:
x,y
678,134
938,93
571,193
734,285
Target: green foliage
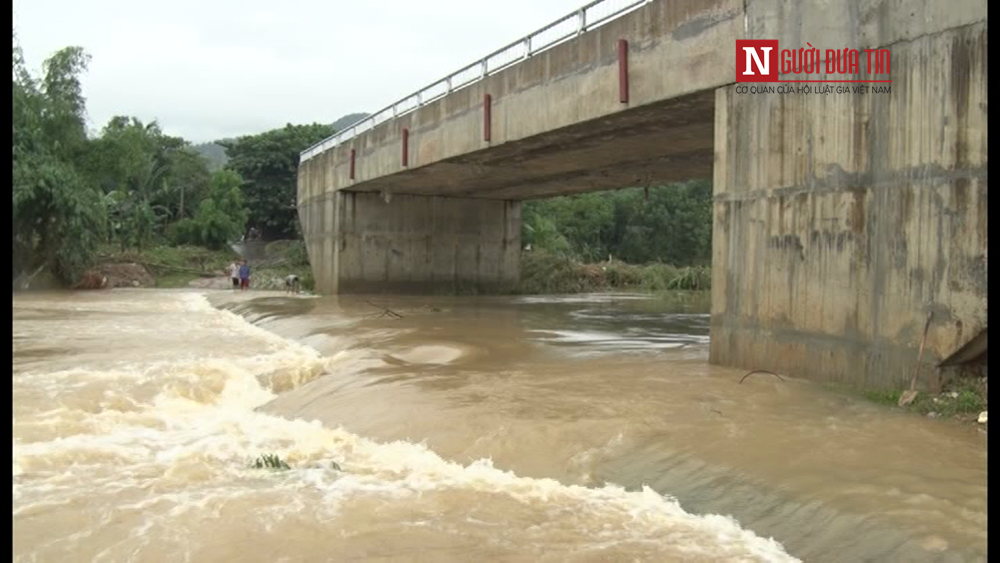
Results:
x,y
221,216
306,280
149,179
173,266
269,461
693,278
965,396
57,218
543,272
962,398
542,233
659,277
297,254
674,226
268,164
887,397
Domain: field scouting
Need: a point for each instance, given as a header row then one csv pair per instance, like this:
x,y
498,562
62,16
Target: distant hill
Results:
x,y
348,120
216,153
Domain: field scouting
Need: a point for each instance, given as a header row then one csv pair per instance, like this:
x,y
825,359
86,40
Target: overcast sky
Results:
x,y
218,68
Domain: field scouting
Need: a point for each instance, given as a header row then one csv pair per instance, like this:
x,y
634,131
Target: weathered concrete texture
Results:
x,y
366,244
858,24
842,221
557,123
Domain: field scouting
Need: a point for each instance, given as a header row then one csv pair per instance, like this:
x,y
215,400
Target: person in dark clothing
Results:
x,y
244,276
292,284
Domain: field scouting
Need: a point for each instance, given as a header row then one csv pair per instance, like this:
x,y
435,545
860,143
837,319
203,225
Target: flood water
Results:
x,y
502,429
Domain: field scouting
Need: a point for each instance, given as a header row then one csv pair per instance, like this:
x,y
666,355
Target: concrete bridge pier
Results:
x,y
369,242
843,220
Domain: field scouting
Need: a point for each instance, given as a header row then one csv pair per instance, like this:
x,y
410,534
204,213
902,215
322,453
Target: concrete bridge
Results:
x,y
842,220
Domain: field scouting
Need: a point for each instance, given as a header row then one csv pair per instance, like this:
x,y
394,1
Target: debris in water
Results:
x,y
761,371
270,461
385,311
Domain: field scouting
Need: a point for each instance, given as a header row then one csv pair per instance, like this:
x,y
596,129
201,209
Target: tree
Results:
x,y
148,178
221,216
670,224
57,216
268,164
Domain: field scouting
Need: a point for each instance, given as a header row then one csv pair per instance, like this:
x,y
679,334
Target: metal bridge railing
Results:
x,y
582,20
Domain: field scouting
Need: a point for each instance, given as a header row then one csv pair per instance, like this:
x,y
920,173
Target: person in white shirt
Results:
x,y
234,274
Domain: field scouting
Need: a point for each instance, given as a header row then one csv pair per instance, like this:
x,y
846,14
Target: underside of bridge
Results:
x,y
665,142
842,221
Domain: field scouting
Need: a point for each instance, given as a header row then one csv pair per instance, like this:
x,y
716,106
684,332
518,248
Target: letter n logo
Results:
x,y
756,60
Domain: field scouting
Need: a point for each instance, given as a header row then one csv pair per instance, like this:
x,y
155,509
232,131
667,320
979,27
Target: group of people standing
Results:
x,y
239,273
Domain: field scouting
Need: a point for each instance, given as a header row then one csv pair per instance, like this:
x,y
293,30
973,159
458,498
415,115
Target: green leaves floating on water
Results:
x,y
269,461
273,461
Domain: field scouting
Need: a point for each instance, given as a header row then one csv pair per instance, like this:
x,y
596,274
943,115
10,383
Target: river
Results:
x,y
445,429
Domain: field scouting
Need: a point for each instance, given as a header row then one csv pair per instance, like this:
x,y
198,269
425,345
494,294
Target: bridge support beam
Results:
x,y
365,242
841,221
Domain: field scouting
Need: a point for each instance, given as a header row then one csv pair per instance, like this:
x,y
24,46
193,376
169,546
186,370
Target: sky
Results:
x,y
212,69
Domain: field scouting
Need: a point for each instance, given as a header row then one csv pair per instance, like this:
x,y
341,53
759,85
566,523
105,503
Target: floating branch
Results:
x,y
385,311
761,371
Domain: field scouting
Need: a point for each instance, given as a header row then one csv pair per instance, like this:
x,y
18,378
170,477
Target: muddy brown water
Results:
x,y
581,429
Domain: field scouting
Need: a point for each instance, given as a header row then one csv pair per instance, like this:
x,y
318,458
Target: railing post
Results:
x,y
623,71
581,20
487,117
406,147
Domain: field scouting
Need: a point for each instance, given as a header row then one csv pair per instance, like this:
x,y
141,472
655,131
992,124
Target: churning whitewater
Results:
x,y
137,416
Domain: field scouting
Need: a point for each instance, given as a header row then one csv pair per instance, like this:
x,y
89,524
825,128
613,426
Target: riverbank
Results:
x,y
963,400
542,273
194,266
546,273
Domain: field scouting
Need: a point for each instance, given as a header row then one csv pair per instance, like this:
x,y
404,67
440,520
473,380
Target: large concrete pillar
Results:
x,y
843,220
366,243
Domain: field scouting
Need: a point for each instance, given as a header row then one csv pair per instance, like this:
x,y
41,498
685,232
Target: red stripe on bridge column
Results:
x,y
623,71
406,147
487,117
352,163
